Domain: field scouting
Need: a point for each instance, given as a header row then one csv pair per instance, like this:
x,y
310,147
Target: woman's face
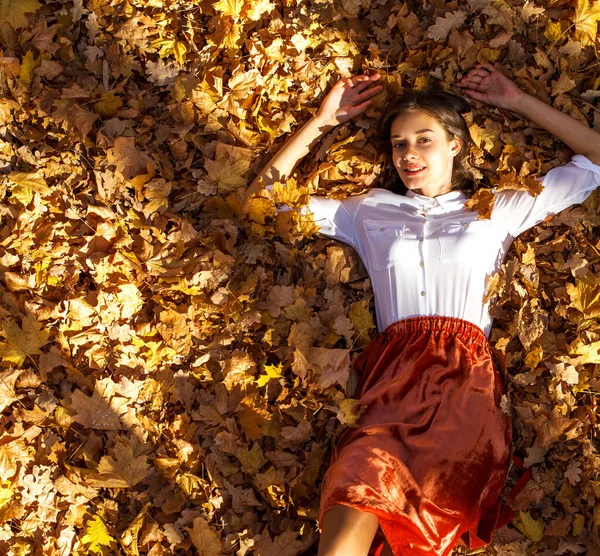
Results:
x,y
419,141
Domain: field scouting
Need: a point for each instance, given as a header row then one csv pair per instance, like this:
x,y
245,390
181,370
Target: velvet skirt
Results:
x,y
431,451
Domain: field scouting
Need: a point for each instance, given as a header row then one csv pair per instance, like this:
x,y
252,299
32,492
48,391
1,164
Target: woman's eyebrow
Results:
x,y
420,131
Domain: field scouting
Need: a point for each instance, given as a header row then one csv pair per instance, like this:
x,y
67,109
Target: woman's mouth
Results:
x,y
414,172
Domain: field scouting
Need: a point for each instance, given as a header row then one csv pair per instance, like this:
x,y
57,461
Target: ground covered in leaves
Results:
x,y
176,366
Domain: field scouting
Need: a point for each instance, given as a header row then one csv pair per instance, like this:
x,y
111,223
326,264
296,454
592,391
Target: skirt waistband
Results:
x,y
467,331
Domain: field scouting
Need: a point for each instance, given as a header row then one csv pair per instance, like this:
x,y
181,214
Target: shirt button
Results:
x,y
422,293
421,263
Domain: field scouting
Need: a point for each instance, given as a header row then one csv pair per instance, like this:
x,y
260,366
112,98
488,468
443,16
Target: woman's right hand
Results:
x,y
348,98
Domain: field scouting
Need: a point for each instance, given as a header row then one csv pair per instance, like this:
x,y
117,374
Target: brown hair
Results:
x,y
446,108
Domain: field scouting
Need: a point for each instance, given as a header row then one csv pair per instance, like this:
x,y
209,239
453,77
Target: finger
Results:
x,y
364,81
355,110
371,92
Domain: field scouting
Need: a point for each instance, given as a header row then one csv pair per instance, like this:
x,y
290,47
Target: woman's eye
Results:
x,y
422,139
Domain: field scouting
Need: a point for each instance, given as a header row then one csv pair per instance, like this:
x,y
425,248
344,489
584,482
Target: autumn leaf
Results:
x,y
13,11
443,25
483,202
228,170
125,470
7,387
532,528
586,17
231,8
96,535
102,410
585,296
22,341
205,539
26,184
362,320
271,372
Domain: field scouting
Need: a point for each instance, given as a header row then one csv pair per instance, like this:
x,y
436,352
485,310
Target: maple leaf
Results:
x,y
586,17
257,8
229,168
585,295
483,202
271,371
102,410
28,183
362,320
129,537
96,535
22,341
13,12
206,541
130,161
125,470
283,545
7,387
231,8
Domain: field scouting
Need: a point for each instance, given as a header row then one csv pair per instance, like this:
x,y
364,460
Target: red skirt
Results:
x,y
430,455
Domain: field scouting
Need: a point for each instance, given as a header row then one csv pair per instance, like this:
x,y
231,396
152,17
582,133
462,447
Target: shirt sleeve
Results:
x,y
564,186
335,218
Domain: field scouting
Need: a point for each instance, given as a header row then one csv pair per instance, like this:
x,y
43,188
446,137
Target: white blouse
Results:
x,y
430,255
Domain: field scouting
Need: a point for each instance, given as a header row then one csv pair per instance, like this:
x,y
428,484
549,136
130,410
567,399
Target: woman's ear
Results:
x,y
456,145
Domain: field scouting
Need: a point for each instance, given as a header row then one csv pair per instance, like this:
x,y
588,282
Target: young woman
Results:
x,y
428,462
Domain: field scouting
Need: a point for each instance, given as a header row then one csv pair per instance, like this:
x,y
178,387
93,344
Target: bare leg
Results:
x,y
347,532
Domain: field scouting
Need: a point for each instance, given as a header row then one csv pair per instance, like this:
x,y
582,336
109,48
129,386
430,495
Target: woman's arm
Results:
x,y
347,98
294,150
486,84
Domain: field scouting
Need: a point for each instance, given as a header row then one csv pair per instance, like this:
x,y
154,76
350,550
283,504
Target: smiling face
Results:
x,y
420,141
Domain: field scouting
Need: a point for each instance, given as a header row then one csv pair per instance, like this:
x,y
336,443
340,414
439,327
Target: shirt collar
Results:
x,y
446,201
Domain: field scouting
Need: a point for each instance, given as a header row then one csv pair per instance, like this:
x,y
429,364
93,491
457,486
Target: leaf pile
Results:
x,y
177,365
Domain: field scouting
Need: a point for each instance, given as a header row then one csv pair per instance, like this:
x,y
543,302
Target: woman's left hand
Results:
x,y
486,84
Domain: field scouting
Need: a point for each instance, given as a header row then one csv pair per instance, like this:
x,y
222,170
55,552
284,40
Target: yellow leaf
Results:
x,y
232,8
586,20
129,538
229,168
5,494
553,30
362,320
258,208
291,193
578,524
271,371
28,183
96,535
108,105
22,341
13,11
257,8
28,65
7,387
171,46
531,528
585,296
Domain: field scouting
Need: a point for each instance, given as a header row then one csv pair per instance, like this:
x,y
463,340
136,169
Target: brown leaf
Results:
x,y
206,541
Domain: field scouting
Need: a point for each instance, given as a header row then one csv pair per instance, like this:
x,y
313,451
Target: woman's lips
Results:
x,y
411,174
